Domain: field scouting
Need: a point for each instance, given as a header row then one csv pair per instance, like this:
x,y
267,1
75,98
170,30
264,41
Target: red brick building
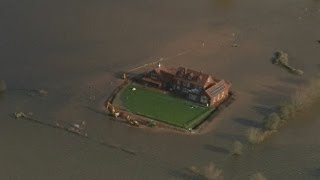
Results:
x,y
192,85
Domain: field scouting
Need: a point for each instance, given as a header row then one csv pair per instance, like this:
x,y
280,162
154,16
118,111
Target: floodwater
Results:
x,y
74,50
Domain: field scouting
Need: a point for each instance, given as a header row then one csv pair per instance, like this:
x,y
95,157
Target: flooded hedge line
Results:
x,y
304,97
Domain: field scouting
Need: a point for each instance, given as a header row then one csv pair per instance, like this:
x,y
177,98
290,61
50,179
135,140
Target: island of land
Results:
x,y
180,99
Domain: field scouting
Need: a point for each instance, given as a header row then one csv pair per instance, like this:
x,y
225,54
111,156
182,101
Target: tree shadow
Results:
x,y
247,122
216,149
292,80
2,95
263,110
269,97
281,90
230,137
183,174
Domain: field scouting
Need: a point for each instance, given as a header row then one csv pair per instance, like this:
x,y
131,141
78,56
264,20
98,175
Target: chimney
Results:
x,y
159,65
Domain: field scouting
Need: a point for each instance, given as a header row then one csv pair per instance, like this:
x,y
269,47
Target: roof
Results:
x,y
164,74
211,85
151,81
195,77
217,88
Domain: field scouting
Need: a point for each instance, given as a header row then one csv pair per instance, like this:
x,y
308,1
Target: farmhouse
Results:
x,y
190,84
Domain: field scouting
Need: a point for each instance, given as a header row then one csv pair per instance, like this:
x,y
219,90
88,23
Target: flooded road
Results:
x,y
75,49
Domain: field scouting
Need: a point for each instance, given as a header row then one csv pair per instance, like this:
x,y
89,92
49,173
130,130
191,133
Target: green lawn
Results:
x,y
162,107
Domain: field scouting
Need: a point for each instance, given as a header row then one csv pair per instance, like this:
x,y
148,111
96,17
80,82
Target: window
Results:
x,y
184,83
154,76
188,85
178,87
204,99
193,97
184,90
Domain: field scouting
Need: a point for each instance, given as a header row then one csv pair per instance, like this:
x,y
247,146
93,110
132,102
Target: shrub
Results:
x,y
211,172
272,122
256,136
3,86
258,176
151,123
300,98
195,171
286,111
306,95
280,57
314,88
298,72
237,148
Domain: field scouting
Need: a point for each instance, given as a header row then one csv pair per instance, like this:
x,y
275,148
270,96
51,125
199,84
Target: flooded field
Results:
x,y
75,50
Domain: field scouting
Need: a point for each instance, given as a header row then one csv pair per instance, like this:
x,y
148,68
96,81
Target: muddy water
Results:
x,y
74,50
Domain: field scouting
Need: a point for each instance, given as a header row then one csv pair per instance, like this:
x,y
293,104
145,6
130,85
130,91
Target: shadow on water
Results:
x,y
267,99
230,137
2,96
247,122
292,80
263,110
281,90
183,174
315,173
216,149
269,93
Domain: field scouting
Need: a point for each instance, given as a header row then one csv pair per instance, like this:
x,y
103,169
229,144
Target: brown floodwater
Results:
x,y
75,49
